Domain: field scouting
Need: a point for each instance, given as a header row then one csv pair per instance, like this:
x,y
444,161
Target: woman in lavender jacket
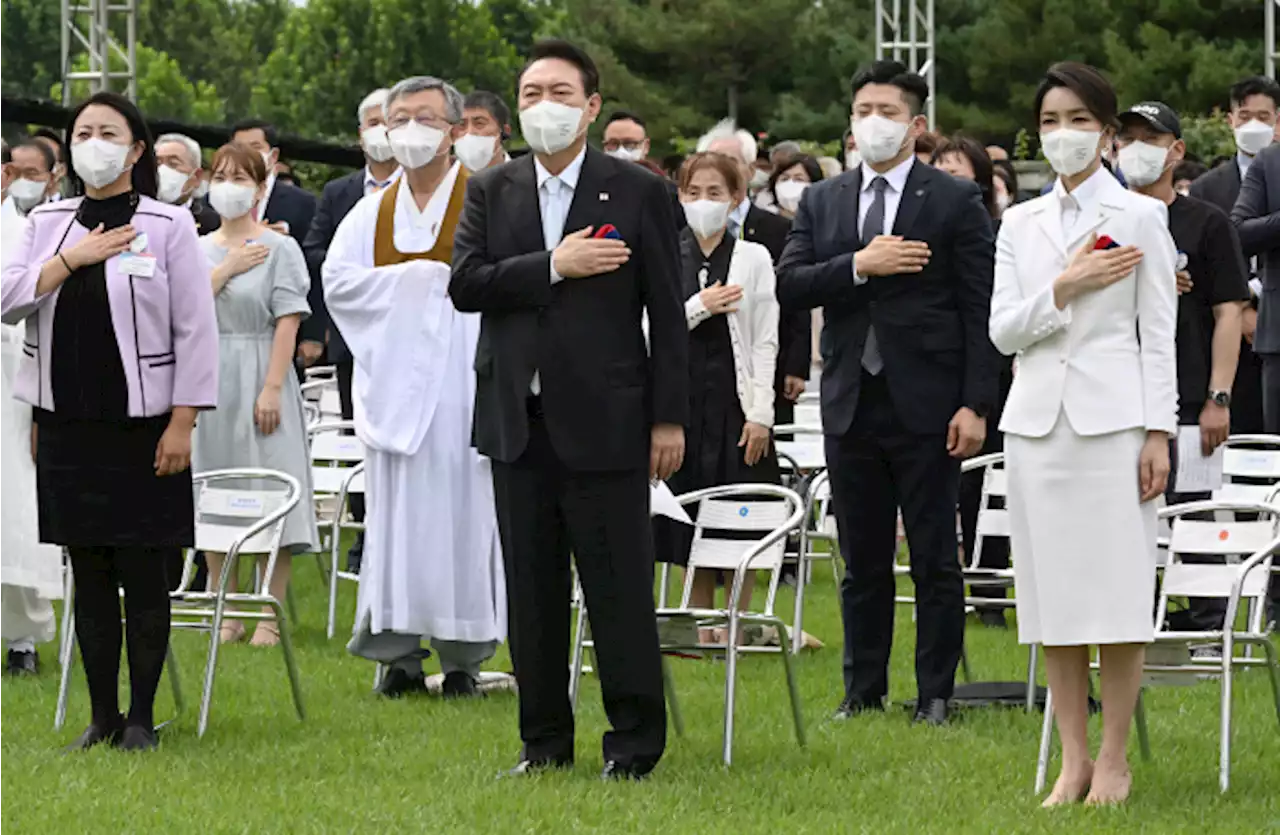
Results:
x,y
120,354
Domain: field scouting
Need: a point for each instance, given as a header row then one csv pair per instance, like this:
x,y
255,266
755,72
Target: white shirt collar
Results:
x,y
1243,162
569,176
431,215
371,181
1087,193
896,176
740,212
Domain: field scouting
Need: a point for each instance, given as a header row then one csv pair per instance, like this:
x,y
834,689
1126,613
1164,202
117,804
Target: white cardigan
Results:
x,y
753,328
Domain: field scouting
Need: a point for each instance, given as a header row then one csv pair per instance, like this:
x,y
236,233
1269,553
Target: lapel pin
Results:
x,y
919,192
604,197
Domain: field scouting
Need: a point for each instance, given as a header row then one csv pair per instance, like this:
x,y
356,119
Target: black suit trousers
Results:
x,y
877,467
1271,393
546,512
346,369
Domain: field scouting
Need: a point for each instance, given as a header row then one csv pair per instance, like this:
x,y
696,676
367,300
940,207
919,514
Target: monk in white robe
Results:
x,y
432,560
31,572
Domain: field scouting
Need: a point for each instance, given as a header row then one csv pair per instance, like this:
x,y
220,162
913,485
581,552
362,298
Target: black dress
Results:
x,y
712,456
95,465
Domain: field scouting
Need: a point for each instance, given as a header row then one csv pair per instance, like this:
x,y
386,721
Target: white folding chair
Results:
x,y
771,511
238,512
321,372
1255,542
818,525
337,474
323,392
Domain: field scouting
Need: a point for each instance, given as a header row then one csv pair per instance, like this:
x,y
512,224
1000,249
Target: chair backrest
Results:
x,y
992,521
332,455
1228,544
1252,457
734,520
808,414
242,511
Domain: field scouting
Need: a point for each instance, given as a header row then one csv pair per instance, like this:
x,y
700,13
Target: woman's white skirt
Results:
x,y
1084,547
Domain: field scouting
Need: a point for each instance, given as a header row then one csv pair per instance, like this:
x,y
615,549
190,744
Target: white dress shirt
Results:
x,y
896,178
266,196
371,183
555,196
738,217
416,230
1080,205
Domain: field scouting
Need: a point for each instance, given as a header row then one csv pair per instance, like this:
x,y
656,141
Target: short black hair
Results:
x,y
565,51
492,104
268,129
1256,85
144,176
46,153
808,163
1086,82
915,90
979,160
625,116
52,136
1189,170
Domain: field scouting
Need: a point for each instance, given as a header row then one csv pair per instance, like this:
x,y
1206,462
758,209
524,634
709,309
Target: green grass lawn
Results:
x,y
362,764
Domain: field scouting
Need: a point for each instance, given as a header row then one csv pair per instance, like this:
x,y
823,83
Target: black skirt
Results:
x,y
97,485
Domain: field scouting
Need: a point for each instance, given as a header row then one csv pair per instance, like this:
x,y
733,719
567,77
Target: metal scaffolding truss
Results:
x,y
904,32
1270,29
87,26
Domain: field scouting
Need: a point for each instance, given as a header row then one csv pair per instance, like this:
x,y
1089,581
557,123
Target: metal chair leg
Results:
x,y
730,683
673,704
171,667
211,665
802,577
292,601
793,688
333,588
1032,656
1224,752
291,666
1046,741
1140,720
379,673
579,650
66,649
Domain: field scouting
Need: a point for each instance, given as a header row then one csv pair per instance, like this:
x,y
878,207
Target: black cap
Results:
x,y
1158,115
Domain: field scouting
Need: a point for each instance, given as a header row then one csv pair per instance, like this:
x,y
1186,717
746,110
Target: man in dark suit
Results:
x,y
180,174
752,223
1254,103
339,197
289,210
901,258
574,411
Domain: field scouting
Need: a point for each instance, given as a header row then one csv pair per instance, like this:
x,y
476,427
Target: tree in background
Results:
x,y
163,91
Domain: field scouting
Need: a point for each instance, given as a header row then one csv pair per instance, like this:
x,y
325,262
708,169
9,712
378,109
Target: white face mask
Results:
x,y
231,200
476,152
375,143
415,145
99,162
27,194
759,179
852,160
1253,136
634,155
172,181
879,139
706,217
1070,151
787,193
1142,163
549,127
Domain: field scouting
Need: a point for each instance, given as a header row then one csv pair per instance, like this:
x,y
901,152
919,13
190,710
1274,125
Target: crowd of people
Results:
x,y
525,344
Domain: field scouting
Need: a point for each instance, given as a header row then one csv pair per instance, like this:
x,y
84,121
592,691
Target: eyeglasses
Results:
x,y
428,120
629,145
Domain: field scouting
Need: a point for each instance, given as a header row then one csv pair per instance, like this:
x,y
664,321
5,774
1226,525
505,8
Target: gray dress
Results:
x,y
248,307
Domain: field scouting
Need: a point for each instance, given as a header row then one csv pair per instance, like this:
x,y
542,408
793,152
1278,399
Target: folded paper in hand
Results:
x,y
662,502
1196,473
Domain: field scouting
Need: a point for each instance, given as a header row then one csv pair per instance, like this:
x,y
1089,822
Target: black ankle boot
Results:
x,y
97,733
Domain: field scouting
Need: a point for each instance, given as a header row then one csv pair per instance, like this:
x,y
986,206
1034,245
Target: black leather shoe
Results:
x,y
852,706
397,683
525,768
138,738
993,619
614,770
22,663
931,712
355,554
95,735
460,685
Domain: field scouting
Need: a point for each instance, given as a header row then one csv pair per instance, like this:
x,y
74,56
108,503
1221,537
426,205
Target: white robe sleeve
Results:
x,y
398,323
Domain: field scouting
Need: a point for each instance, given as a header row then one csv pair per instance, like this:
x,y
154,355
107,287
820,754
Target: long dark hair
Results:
x,y
979,161
144,176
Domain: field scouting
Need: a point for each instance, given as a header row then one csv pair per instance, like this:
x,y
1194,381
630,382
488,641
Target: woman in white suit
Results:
x,y
732,311
1085,296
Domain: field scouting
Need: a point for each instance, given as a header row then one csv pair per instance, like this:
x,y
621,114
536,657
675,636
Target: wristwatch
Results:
x,y
1220,398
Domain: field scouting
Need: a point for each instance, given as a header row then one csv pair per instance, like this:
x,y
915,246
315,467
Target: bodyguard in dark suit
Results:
x,y
289,205
574,411
1257,218
901,257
